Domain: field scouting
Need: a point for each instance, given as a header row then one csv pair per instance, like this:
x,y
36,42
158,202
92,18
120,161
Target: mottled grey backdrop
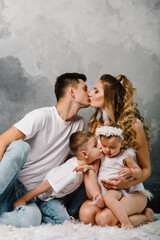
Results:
x,y
40,40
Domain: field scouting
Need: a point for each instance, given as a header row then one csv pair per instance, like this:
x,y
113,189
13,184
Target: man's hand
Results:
x,y
19,202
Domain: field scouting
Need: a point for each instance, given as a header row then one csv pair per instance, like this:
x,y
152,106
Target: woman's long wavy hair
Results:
x,y
123,110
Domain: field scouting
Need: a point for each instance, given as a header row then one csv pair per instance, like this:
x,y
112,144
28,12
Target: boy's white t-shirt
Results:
x,y
48,136
62,180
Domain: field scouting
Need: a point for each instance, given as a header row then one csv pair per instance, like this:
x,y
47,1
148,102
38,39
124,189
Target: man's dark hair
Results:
x,y
66,79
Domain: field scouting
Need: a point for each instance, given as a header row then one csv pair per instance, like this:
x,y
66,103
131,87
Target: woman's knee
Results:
x,y
87,214
106,217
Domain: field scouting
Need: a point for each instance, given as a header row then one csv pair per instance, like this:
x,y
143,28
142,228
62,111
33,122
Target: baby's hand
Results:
x,y
125,172
19,202
99,201
83,168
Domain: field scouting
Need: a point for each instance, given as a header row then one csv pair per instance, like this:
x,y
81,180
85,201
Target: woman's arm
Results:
x,y
41,188
143,161
131,169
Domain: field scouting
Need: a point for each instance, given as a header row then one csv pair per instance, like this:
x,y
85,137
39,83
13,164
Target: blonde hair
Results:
x,y
123,110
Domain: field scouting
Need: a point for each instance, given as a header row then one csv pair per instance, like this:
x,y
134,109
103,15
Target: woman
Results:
x,y
115,104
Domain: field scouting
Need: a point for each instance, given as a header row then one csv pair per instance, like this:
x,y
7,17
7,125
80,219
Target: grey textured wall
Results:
x,y
40,40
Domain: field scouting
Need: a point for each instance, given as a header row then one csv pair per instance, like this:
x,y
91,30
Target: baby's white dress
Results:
x,y
110,167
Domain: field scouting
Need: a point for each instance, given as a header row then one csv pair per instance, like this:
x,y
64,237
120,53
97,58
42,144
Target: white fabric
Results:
x,y
48,136
111,166
63,180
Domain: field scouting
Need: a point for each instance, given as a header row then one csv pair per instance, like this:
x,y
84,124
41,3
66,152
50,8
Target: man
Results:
x,y
46,133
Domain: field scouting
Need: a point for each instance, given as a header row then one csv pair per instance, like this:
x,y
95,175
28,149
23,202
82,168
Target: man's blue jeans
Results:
x,y
58,210
11,188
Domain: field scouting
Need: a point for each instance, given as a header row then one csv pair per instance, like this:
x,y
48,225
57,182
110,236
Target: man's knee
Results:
x,y
20,150
30,216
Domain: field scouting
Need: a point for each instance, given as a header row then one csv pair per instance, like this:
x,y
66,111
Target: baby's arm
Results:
x,y
41,188
92,186
132,169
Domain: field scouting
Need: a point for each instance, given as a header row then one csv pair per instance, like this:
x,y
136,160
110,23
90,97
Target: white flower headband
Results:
x,y
109,131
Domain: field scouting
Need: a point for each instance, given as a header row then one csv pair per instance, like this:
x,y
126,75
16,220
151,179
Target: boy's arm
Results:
x,y
12,134
39,189
132,169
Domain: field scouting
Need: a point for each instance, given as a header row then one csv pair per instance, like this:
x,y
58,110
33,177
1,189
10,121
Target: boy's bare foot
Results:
x,y
100,201
150,214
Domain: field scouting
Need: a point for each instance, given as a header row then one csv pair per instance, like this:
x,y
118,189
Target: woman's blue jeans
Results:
x,y
11,188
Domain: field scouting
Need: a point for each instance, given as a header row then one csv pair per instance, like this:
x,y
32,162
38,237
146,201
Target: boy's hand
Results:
x,y
19,202
83,168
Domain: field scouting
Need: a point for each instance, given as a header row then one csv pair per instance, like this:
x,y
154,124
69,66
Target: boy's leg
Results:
x,y
111,200
74,201
53,211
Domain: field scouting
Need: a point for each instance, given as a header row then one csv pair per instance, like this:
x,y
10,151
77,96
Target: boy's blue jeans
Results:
x,y
54,211
58,210
11,188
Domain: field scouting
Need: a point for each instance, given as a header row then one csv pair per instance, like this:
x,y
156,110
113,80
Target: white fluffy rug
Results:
x,y
73,230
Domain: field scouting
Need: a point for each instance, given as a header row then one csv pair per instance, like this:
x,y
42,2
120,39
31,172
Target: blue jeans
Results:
x,y
58,210
11,188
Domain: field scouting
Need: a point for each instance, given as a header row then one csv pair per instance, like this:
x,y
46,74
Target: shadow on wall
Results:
x,y
20,92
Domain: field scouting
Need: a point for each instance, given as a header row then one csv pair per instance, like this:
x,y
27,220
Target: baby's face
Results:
x,y
111,147
94,150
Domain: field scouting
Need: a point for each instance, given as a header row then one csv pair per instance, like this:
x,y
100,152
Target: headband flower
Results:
x,y
108,131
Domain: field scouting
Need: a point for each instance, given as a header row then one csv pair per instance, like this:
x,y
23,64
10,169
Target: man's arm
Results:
x,y
39,189
12,134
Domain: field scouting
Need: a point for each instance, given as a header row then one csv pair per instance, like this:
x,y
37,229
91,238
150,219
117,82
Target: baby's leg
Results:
x,y
111,200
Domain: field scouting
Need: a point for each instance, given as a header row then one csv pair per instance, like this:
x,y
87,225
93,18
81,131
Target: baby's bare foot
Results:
x,y
150,214
100,202
129,226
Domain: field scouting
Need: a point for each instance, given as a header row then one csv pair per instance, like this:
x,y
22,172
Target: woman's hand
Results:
x,y
116,183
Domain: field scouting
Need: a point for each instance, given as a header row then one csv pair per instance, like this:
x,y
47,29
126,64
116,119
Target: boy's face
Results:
x,y
111,147
93,150
82,94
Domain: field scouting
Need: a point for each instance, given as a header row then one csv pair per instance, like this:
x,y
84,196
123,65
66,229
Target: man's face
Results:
x,y
82,94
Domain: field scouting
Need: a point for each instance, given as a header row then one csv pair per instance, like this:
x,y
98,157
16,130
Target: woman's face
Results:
x,y
97,96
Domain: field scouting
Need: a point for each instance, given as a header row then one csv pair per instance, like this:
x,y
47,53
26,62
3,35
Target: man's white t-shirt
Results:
x,y
48,136
62,180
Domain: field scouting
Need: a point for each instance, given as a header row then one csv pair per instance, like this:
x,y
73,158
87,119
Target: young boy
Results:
x,y
62,180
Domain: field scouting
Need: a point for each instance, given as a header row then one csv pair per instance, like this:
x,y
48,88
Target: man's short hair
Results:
x,y
65,80
78,141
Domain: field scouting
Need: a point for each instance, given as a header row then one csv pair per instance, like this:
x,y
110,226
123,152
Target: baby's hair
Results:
x,y
79,140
